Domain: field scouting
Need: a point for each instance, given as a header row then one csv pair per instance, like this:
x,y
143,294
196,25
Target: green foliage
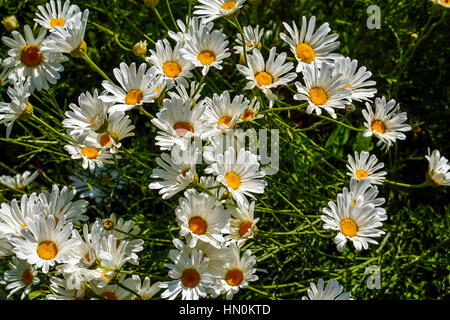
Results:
x,y
291,245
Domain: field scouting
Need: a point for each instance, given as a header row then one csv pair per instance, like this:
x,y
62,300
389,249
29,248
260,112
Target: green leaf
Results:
x,y
337,139
362,143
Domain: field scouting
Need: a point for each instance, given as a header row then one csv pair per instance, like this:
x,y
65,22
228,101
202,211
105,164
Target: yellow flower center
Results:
x,y
206,57
190,278
57,22
228,6
225,120
181,128
109,295
433,179
30,55
318,96
105,140
263,79
171,69
90,153
305,53
360,173
247,115
108,224
134,97
234,277
27,277
47,250
197,225
233,180
349,228
378,125
245,226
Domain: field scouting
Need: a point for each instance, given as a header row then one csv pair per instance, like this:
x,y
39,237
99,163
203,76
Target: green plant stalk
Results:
x,y
407,185
96,68
53,129
171,16
161,19
238,26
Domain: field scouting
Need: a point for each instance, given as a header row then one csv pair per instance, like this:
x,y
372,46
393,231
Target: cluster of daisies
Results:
x,y
204,159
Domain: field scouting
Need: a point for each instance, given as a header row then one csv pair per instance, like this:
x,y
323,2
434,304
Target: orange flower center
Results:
x,y
109,295
349,228
318,96
245,226
378,125
57,22
90,153
133,97
181,128
234,277
230,5
360,173
263,79
30,55
247,115
27,277
105,140
225,120
171,69
86,256
197,225
206,57
190,278
47,250
233,180
305,53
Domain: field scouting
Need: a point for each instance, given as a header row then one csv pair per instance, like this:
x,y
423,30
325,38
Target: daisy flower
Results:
x,y
19,108
358,224
356,78
387,123
13,216
119,127
322,89
70,38
60,202
20,180
252,37
222,113
4,74
242,224
61,291
438,169
332,291
136,87
206,49
363,166
192,26
56,14
267,75
170,63
368,194
220,143
20,277
194,94
308,46
27,61
5,247
200,216
89,115
45,242
237,273
177,170
251,112
190,277
111,292
210,10
144,289
91,153
444,3
178,122
238,171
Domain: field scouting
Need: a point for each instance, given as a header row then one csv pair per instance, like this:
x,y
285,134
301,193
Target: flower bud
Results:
x,y
10,23
414,36
140,48
151,3
108,224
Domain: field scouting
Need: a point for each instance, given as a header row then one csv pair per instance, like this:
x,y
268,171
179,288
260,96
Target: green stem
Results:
x,y
143,111
338,122
300,106
244,46
160,19
407,185
53,129
129,290
92,64
171,15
